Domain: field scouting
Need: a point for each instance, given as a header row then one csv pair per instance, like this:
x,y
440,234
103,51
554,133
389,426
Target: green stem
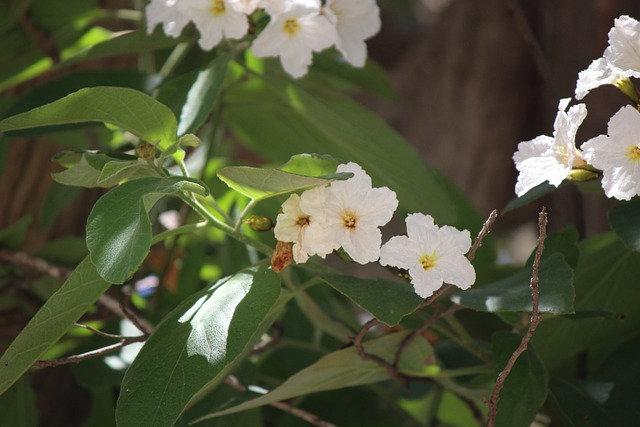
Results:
x,y
215,222
179,230
175,57
123,14
244,212
471,370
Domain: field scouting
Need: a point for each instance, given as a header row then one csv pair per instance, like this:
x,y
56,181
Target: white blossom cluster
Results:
x,y
347,214
617,155
296,29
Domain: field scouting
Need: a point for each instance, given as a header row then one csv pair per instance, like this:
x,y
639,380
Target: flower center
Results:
x,y
634,153
303,221
291,27
349,220
218,7
428,261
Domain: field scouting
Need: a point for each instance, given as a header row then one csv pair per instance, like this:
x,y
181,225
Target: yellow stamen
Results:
x,y
428,261
218,7
634,153
291,27
350,220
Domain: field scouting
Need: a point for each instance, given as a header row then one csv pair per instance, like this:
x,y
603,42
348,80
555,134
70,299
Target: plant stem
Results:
x,y
175,57
215,222
179,230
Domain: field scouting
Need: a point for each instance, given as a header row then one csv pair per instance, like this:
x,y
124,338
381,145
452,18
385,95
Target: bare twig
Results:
x,y
26,261
99,332
114,306
77,358
391,369
313,419
130,315
533,324
263,346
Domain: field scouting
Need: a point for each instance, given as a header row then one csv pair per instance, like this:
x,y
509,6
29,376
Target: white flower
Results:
x,y
623,52
165,12
244,6
599,73
618,155
431,254
294,35
620,59
214,20
548,158
353,212
356,21
292,224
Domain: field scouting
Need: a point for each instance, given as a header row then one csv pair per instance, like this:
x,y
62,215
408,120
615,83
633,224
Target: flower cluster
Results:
x,y
296,28
347,214
615,156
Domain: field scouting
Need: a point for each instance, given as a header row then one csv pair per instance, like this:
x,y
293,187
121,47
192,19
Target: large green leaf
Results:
x,y
625,221
343,368
386,300
119,229
126,108
278,118
260,183
196,346
202,95
311,165
606,280
525,389
50,323
91,169
572,406
514,293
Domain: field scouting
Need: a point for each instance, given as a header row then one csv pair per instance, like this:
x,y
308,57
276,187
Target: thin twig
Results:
x,y
535,320
130,315
77,358
29,262
99,332
263,346
391,369
313,419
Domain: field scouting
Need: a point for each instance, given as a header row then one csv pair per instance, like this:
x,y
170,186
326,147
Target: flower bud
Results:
x,y
259,223
189,140
146,151
582,175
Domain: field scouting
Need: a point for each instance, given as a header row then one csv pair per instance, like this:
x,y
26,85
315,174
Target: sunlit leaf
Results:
x,y
196,346
126,108
342,368
260,183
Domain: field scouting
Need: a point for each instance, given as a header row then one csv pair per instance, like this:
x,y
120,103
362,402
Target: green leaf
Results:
x,y
342,368
564,242
130,42
91,169
531,195
386,300
196,346
280,118
311,165
13,236
83,287
202,95
259,183
625,221
18,406
126,108
119,229
605,280
525,389
514,294
572,406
